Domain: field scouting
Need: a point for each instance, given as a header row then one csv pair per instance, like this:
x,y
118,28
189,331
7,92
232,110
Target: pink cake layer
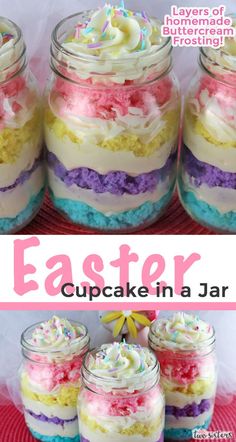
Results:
x,y
183,370
112,405
106,103
50,375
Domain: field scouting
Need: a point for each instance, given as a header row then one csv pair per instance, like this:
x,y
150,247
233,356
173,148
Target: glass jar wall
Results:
x,y
121,398
50,378
22,174
185,348
207,178
111,120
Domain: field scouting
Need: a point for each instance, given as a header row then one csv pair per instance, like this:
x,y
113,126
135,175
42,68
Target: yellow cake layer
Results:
x,y
12,140
126,142
138,428
199,129
197,388
66,396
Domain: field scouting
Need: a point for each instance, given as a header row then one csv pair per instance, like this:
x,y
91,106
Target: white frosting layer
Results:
x,y
15,201
95,436
180,400
215,122
188,422
114,424
10,172
223,158
49,410
72,155
223,199
95,130
50,429
106,202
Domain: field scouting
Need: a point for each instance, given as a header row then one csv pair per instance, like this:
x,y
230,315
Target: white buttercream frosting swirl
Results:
x,y
181,332
113,32
56,333
129,364
111,44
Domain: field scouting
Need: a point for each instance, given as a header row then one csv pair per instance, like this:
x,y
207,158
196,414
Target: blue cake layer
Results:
x,y
81,213
185,433
54,438
205,213
8,225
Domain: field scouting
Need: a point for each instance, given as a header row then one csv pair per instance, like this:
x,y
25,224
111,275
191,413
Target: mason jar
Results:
x,y
207,178
50,378
121,398
22,174
111,124
188,376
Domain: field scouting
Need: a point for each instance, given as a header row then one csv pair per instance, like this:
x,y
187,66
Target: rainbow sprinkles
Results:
x,y
114,31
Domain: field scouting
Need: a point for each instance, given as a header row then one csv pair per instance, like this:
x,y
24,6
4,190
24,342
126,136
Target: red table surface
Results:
x,y
13,428
174,222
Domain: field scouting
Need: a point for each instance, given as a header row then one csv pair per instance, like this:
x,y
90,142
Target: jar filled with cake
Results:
x,y
111,120
50,378
22,174
121,398
207,178
185,348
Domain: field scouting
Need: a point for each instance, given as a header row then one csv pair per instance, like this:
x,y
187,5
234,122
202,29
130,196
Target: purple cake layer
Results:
x,y
190,410
24,176
82,439
203,173
53,420
116,183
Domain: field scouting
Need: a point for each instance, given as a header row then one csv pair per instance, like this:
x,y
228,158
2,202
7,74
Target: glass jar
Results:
x,y
207,178
22,174
189,379
123,409
111,130
50,380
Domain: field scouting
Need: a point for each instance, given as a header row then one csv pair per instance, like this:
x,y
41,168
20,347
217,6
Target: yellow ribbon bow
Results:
x,y
122,317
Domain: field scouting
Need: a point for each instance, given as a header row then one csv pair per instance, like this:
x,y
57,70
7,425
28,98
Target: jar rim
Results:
x,y
19,34
202,345
87,57
83,341
116,383
228,70
22,52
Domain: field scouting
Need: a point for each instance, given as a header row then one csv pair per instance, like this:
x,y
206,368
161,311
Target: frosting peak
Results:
x,y
181,331
113,32
121,361
56,334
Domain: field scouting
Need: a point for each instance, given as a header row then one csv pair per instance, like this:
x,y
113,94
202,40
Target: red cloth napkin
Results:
x,y
13,428
174,222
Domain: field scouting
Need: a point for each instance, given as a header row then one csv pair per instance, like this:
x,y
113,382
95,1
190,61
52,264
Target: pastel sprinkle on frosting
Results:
x,y
5,37
56,333
121,360
181,331
114,31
